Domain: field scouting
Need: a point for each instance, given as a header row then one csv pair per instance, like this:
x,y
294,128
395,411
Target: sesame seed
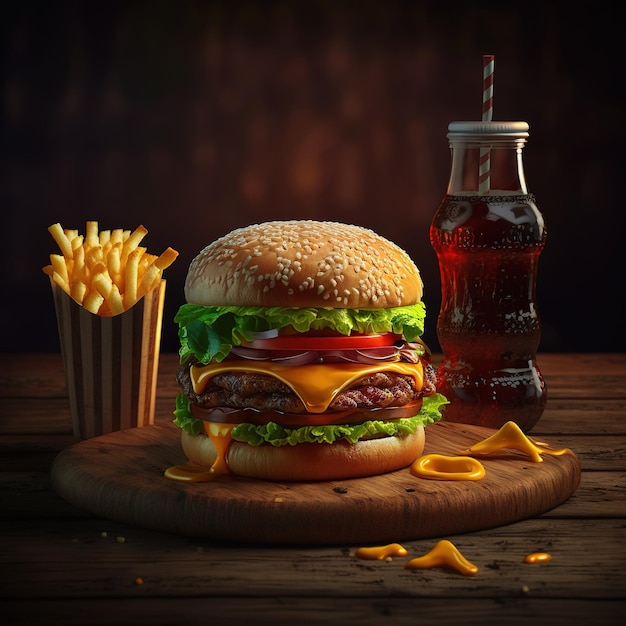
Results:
x,y
342,250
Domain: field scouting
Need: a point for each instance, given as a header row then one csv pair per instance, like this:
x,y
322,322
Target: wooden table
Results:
x,y
62,565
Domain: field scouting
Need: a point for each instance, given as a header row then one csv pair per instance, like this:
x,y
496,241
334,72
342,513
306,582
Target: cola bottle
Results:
x,y
488,235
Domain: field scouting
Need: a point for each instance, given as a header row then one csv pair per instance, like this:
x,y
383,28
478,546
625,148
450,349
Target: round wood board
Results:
x,y
119,476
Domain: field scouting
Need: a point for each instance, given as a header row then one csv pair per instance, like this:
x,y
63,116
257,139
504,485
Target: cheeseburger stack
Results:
x,y
300,354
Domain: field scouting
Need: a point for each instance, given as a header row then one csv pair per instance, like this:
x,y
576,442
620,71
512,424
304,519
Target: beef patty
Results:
x,y
263,392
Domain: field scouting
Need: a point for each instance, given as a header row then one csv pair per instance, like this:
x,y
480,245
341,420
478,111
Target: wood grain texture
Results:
x,y
120,477
64,565
95,558
308,611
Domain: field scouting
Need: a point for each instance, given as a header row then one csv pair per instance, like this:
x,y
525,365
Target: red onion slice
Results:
x,y
251,353
384,353
254,354
368,355
297,359
264,334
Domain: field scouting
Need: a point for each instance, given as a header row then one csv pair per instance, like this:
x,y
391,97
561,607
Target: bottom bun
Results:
x,y
310,461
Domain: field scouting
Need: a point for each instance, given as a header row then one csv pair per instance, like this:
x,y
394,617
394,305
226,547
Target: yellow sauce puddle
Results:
x,y
440,467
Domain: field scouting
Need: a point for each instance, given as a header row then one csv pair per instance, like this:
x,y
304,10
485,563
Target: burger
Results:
x,y
300,354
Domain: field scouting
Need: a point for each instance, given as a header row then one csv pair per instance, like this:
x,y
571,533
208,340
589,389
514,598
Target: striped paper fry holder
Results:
x,y
111,362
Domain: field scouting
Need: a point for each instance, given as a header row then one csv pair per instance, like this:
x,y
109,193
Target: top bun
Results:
x,y
303,263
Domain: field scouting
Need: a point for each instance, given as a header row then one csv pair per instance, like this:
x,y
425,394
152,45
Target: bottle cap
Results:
x,y
502,129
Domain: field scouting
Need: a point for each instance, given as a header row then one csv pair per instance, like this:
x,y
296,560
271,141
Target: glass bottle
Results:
x,y
488,234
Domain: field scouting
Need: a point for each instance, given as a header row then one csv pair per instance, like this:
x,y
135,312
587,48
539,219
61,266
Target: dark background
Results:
x,y
197,117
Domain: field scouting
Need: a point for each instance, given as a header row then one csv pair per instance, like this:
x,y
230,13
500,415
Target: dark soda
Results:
x,y
488,248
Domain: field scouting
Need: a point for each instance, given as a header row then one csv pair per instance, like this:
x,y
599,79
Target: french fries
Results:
x,y
106,271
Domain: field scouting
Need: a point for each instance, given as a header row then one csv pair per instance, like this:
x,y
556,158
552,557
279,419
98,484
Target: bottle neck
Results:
x,y
487,165
487,158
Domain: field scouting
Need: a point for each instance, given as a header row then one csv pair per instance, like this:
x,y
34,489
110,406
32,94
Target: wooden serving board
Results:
x,y
119,476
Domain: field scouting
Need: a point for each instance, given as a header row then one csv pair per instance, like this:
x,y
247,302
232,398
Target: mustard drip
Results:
x,y
220,435
381,553
444,554
511,436
440,467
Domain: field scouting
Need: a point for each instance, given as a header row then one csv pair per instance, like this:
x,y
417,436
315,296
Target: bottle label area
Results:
x,y
488,248
498,222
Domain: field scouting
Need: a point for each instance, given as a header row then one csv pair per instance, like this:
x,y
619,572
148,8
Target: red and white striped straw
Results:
x,y
484,167
489,64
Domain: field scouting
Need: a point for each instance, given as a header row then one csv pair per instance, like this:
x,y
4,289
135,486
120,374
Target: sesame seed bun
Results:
x,y
303,263
311,461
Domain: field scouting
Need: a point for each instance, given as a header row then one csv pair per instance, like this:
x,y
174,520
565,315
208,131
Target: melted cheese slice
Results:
x,y
315,384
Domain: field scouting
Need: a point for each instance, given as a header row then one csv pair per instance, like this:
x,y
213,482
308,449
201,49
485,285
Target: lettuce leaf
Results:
x,y
209,332
277,435
183,418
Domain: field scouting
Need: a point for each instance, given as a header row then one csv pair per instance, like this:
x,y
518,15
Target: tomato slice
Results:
x,y
306,341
